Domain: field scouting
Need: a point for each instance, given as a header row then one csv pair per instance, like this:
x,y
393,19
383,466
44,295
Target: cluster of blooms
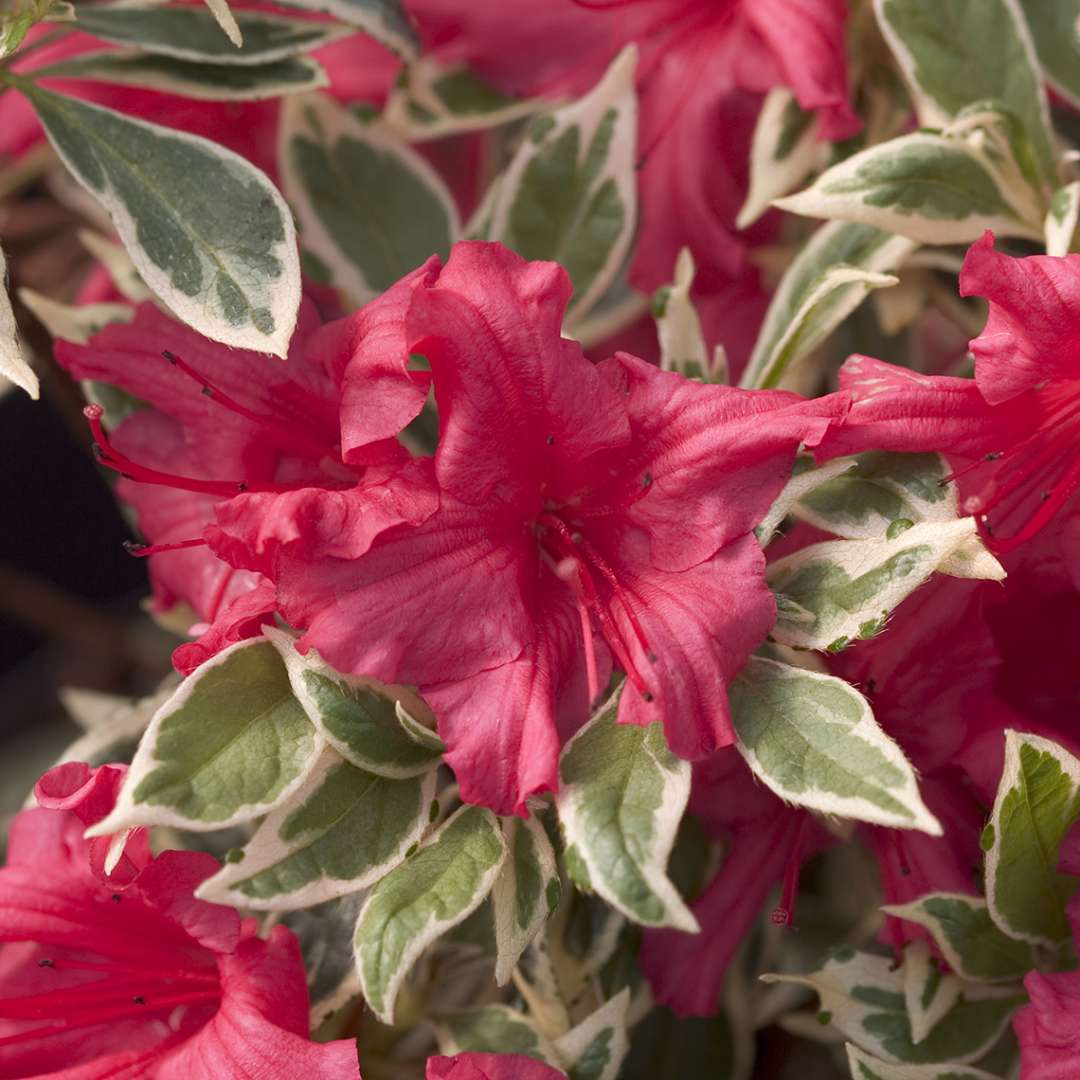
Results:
x,y
576,521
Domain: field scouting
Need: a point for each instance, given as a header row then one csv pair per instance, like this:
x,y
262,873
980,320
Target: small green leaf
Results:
x,y
12,365
682,343
206,230
202,81
973,946
835,244
595,1048
521,892
432,101
384,20
368,205
785,151
1062,220
569,194
1057,43
494,1029
192,33
864,992
622,793
339,832
1038,802
359,717
928,187
434,890
229,745
865,1067
849,585
813,740
967,51
929,995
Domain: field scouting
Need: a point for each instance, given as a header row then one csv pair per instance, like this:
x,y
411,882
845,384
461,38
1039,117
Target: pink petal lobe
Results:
x,y
701,624
490,1067
1033,330
241,618
1049,1028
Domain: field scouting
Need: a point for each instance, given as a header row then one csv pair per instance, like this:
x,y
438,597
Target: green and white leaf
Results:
x,y
192,33
494,1029
432,101
368,205
1057,43
199,80
384,20
622,794
525,893
805,479
435,889
785,151
682,343
595,1048
864,998
966,51
339,832
967,937
229,745
1062,219
1037,803
865,1067
207,231
837,244
361,717
929,995
927,187
843,590
12,364
74,322
224,17
569,193
812,740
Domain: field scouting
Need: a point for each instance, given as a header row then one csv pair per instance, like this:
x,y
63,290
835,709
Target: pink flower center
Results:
x,y
595,584
1027,484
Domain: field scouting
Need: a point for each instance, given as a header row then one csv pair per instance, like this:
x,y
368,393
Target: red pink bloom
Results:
x,y
125,974
583,511
489,1067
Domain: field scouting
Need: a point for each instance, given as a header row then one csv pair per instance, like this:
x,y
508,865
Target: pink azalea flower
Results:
x,y
703,64
580,506
1014,428
490,1067
219,421
129,975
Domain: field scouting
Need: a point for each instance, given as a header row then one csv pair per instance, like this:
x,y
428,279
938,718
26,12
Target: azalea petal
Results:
x,y
368,356
701,626
490,1067
895,408
1031,332
260,1029
807,38
438,601
501,725
517,401
241,618
713,458
1049,1028
296,396
90,794
254,529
